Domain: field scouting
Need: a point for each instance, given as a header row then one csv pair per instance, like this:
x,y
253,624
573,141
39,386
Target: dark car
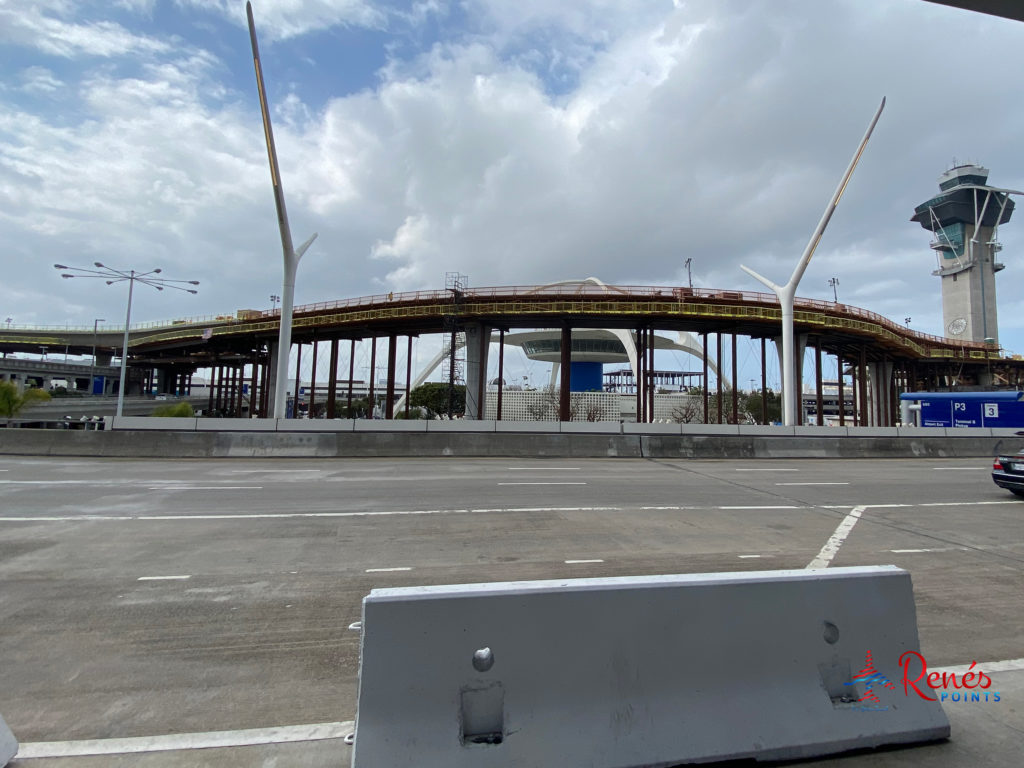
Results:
x,y
1008,472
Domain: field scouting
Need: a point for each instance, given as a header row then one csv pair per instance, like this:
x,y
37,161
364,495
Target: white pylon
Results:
x,y
786,293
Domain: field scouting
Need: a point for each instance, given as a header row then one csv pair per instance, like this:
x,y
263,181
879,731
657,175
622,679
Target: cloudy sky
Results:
x,y
516,141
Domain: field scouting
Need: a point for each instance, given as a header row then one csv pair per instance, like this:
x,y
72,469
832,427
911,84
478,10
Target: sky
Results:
x,y
518,142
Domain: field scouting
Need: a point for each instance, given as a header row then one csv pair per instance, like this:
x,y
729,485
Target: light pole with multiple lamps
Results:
x,y
111,276
834,281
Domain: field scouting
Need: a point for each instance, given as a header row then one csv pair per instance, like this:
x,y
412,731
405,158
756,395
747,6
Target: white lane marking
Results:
x,y
812,483
749,557
356,626
759,506
541,483
540,469
169,486
1009,665
836,540
163,578
387,570
577,562
773,469
64,482
659,509
907,551
267,471
205,488
288,515
487,510
974,469
68,518
966,503
208,740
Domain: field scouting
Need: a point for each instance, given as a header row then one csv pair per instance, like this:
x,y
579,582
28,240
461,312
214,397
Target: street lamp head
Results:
x,y
157,271
193,282
97,264
190,290
60,266
110,282
66,276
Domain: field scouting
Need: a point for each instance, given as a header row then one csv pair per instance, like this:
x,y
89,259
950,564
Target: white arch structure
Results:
x,y
686,342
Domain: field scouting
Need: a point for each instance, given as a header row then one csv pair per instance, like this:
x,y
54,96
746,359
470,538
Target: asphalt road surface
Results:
x,y
144,597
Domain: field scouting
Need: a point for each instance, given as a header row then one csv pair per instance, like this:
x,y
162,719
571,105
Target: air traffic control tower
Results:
x,y
964,219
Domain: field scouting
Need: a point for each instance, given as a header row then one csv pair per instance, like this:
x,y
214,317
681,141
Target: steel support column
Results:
x,y
640,365
265,386
842,391
862,370
408,373
351,373
705,343
312,382
652,387
501,371
718,378
371,392
332,381
566,373
735,385
298,379
241,388
252,384
764,381
389,397
820,402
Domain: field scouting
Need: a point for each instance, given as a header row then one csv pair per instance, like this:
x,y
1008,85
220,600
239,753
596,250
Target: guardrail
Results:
x,y
585,298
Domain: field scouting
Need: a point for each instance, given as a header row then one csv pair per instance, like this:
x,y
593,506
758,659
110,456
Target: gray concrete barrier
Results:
x,y
340,438
644,671
8,744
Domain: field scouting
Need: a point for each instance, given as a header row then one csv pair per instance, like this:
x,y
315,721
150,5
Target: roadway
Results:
x,y
147,597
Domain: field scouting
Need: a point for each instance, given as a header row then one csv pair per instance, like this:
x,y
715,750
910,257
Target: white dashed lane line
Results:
x,y
538,483
178,741
812,483
163,578
835,541
388,570
579,562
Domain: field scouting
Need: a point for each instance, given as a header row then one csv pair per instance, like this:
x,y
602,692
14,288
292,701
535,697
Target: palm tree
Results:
x,y
12,402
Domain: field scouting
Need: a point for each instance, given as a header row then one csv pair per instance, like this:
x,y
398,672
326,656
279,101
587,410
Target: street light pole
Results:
x,y
111,276
834,281
124,348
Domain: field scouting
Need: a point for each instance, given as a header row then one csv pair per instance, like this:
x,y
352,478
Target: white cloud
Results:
x,y
712,130
40,26
40,80
283,19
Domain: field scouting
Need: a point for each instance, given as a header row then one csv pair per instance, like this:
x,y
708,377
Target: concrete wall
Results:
x,y
345,438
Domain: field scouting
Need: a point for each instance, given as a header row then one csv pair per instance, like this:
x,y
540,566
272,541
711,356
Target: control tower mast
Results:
x,y
964,219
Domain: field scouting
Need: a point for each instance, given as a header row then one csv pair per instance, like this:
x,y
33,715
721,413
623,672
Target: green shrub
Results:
x,y
175,410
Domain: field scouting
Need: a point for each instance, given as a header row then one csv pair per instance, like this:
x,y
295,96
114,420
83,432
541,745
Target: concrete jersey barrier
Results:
x,y
644,671
8,744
